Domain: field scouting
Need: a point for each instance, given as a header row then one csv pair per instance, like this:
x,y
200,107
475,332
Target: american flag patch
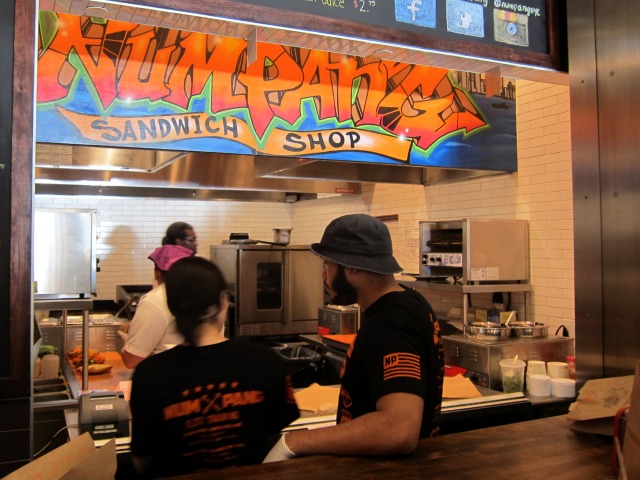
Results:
x,y
401,365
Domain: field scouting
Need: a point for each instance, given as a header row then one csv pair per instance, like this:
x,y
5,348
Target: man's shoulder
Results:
x,y
407,299
155,299
402,311
158,362
156,294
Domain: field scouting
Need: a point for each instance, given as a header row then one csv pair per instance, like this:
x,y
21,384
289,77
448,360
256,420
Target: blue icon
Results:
x,y
416,12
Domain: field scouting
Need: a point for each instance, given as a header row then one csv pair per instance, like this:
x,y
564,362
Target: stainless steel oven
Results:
x,y
475,251
276,290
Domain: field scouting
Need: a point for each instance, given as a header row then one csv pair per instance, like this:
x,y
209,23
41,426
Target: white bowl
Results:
x,y
538,385
563,387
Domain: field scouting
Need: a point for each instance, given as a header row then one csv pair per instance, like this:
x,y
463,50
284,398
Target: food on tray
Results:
x,y
97,368
75,357
46,350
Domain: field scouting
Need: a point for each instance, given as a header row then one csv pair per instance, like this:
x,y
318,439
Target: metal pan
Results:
x,y
243,239
487,331
272,243
528,329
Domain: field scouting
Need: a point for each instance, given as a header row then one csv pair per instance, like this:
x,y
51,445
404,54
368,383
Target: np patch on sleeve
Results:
x,y
401,365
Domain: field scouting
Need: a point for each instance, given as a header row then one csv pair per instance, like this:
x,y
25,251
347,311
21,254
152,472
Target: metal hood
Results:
x,y
66,169
278,167
78,170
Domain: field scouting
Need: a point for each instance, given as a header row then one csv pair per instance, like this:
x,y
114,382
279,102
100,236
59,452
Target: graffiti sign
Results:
x,y
117,84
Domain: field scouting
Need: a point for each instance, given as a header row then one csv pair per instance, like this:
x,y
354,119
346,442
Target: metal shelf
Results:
x,y
63,304
84,304
484,288
466,290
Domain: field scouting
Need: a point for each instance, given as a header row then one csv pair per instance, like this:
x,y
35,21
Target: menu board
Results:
x,y
514,24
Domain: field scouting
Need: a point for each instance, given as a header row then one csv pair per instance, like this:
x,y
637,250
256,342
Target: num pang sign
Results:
x,y
117,84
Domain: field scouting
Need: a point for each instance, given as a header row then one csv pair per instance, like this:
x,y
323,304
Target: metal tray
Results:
x,y
528,329
487,331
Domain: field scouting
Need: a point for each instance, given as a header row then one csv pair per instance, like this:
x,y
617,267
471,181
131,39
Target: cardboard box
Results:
x,y
78,459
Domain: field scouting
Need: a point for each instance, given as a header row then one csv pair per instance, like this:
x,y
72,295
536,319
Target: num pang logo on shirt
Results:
x,y
401,365
213,403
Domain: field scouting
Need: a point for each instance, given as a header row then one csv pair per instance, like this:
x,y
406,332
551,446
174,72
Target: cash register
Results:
x,y
104,414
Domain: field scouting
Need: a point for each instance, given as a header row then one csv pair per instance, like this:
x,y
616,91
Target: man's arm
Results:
x,y
394,428
129,359
145,331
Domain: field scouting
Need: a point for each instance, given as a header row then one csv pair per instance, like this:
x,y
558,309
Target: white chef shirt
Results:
x,y
153,328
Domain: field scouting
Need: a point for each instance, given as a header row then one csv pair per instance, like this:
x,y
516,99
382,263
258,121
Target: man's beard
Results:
x,y
341,291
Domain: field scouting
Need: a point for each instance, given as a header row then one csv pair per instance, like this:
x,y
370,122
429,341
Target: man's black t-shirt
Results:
x,y
209,407
397,349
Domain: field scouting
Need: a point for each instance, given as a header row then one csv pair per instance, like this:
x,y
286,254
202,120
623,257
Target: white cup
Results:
x,y
558,369
536,367
563,387
538,385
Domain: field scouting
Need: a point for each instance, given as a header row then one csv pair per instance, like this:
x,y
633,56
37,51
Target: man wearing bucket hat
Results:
x,y
391,380
153,328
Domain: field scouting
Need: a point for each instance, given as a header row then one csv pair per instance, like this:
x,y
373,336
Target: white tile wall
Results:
x,y
540,192
129,229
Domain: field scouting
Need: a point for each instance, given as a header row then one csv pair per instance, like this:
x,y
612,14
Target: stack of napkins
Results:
x,y
459,387
321,400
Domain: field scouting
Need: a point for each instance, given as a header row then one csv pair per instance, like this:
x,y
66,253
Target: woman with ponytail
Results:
x,y
211,402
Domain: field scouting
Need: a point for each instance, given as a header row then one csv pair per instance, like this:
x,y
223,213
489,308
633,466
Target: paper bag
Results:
x,y
601,398
631,442
75,460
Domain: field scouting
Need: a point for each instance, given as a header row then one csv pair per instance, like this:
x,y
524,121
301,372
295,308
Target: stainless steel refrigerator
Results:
x,y
64,250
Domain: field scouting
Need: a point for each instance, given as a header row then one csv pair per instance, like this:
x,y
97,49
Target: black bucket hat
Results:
x,y
358,241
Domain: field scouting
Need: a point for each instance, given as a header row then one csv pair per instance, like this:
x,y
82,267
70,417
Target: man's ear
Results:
x,y
224,299
351,271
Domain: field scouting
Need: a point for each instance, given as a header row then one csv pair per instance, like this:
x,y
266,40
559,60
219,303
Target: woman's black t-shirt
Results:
x,y
209,407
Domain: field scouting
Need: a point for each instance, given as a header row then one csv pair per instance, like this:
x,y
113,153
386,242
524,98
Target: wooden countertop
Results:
x,y
538,449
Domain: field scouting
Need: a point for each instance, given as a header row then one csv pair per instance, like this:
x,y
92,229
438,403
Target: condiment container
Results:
x,y
512,375
537,367
571,362
557,369
50,366
37,369
282,235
